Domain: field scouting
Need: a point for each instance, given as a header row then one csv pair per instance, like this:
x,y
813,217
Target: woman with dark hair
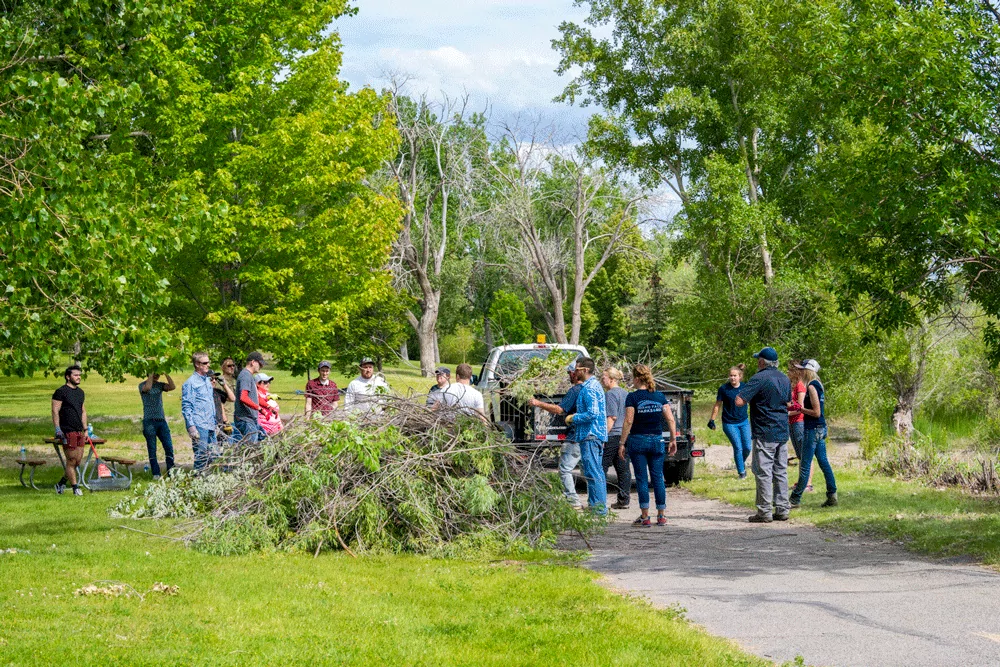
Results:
x,y
735,420
642,435
814,409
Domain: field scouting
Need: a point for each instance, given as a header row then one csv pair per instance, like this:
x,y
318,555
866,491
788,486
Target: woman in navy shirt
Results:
x,y
642,433
735,421
814,409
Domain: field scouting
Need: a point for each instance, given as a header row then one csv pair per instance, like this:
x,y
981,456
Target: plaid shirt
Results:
x,y
324,397
591,420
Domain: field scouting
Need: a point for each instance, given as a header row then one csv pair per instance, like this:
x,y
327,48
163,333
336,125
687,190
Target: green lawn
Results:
x,y
294,609
940,522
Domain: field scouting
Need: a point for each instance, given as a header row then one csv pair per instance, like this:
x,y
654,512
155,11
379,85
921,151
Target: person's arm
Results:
x,y
626,429
83,417
147,385
611,422
715,411
245,400
586,412
309,404
747,391
551,408
229,390
814,401
668,414
187,410
170,383
795,407
56,405
349,396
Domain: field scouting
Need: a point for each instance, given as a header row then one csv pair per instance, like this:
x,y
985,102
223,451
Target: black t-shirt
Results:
x,y
730,413
71,411
815,422
648,406
220,397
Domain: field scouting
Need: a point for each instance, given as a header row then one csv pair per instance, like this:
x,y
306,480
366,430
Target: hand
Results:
x,y
621,452
193,432
711,424
569,419
534,402
60,435
672,449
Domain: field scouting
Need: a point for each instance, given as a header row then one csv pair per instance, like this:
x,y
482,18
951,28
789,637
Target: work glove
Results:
x,y
569,419
60,436
193,432
711,424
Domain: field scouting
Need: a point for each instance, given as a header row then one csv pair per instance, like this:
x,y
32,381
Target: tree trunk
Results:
x,y
487,333
558,325
902,414
575,317
404,351
427,338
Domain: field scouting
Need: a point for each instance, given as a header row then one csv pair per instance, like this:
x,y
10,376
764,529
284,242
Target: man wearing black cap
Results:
x,y
442,377
362,391
768,393
246,428
322,393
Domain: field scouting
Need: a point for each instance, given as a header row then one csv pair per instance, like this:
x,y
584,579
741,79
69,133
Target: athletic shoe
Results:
x,y
78,491
760,518
743,476
619,506
661,521
831,500
794,502
781,517
642,521
60,488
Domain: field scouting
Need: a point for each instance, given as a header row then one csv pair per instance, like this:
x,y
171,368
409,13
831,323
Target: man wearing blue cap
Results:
x,y
768,393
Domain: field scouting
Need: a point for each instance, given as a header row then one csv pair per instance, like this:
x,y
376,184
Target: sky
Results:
x,y
497,51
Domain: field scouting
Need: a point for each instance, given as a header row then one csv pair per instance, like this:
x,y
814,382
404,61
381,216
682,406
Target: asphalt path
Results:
x,y
782,590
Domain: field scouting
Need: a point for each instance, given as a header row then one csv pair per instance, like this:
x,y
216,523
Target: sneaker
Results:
x,y
831,500
156,478
619,506
642,521
661,521
760,518
809,488
743,475
78,491
60,487
794,502
781,517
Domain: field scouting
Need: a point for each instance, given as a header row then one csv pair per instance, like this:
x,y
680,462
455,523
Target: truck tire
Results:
x,y
687,470
671,473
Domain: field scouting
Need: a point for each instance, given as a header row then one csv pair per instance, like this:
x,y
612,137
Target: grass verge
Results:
x,y
937,521
287,609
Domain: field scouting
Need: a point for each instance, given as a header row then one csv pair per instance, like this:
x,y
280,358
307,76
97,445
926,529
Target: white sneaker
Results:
x,y
60,488
78,491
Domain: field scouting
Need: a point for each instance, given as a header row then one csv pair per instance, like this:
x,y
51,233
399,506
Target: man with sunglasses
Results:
x,y
198,408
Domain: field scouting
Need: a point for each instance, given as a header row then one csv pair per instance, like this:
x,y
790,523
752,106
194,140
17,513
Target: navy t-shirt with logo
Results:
x,y
648,406
815,422
730,413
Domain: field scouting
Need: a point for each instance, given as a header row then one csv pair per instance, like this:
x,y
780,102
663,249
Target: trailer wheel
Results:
x,y
687,470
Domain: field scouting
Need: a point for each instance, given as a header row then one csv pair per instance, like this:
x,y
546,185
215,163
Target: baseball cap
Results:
x,y
325,364
366,360
809,365
443,370
256,356
262,377
767,354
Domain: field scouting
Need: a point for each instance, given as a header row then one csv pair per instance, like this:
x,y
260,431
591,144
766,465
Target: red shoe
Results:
x,y
661,521
642,521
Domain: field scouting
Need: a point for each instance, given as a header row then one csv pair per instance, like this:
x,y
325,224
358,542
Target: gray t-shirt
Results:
x,y
615,401
245,382
152,400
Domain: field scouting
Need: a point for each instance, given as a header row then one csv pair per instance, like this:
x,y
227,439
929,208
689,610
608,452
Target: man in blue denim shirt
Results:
x,y
198,408
590,425
769,393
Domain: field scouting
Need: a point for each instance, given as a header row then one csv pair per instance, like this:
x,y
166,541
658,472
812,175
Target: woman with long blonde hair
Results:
x,y
814,409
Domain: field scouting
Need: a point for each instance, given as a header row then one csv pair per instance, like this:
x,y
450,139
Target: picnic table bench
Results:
x,y
33,464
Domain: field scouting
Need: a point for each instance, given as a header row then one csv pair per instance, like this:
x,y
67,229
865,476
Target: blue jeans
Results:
x,y
814,445
203,447
739,436
592,466
153,429
247,432
567,462
648,453
797,432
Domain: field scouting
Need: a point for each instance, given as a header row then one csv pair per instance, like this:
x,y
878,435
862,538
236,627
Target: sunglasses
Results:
x,y
202,363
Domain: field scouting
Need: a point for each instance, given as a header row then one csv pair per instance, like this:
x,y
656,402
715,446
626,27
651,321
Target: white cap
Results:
x,y
809,365
262,377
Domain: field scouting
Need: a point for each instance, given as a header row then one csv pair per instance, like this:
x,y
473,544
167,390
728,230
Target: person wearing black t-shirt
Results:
x,y
735,421
70,420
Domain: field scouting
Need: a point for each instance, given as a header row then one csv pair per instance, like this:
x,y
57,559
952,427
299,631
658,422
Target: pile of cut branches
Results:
x,y
400,479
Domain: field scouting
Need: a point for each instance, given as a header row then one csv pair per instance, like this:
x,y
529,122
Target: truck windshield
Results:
x,y
512,361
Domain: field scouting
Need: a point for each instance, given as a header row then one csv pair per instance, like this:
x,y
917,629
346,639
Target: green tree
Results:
x,y
507,319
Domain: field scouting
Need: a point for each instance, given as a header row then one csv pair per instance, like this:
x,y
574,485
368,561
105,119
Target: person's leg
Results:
x,y
567,462
763,464
73,458
624,477
805,466
732,432
797,433
747,439
640,466
819,445
659,487
200,447
591,453
149,432
780,479
608,456
163,432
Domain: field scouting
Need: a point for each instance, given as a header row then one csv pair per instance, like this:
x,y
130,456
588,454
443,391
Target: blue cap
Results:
x,y
768,354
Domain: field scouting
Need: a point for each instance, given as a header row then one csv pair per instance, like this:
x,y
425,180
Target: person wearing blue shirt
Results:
x,y
769,394
814,443
198,408
570,455
735,421
590,428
